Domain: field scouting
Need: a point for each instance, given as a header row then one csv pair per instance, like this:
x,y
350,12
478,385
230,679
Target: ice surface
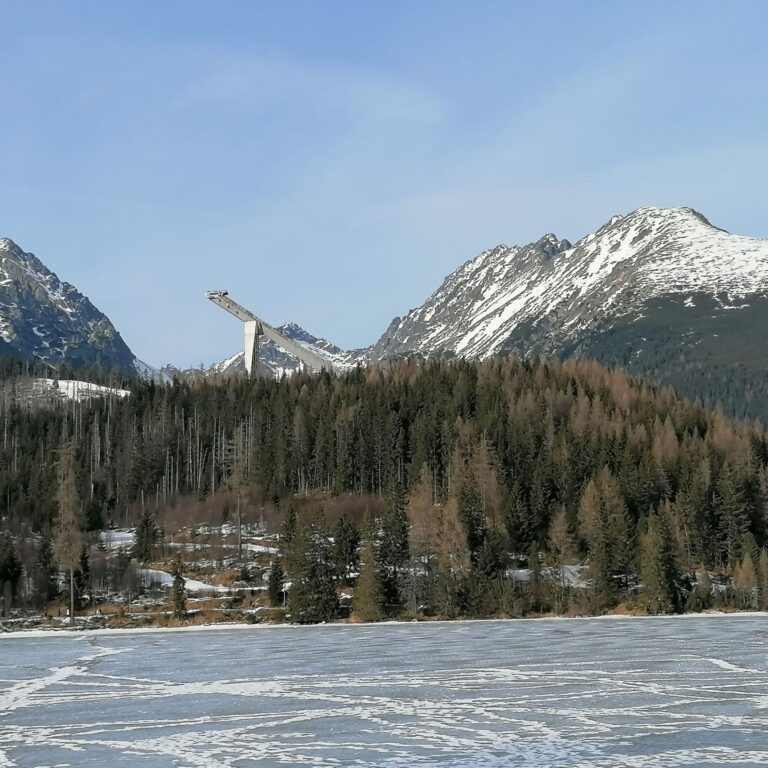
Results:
x,y
593,693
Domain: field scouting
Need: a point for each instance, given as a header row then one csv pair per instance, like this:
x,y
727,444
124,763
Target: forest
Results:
x,y
427,488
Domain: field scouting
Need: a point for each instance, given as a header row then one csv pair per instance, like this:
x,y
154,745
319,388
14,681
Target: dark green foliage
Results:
x,y
10,570
346,542
659,569
492,558
45,577
146,537
369,598
83,576
276,583
312,597
472,518
393,550
179,590
500,450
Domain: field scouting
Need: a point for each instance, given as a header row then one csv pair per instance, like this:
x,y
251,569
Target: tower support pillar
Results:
x,y
252,333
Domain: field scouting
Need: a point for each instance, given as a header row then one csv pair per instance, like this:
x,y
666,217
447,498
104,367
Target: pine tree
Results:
x,y
745,583
10,571
69,543
762,579
658,568
605,526
146,537
734,521
276,583
470,505
46,582
346,541
83,575
368,600
562,546
701,596
312,597
179,590
291,542
394,549
238,477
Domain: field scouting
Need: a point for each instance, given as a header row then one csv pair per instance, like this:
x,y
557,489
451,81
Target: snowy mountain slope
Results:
x,y
274,361
44,318
549,295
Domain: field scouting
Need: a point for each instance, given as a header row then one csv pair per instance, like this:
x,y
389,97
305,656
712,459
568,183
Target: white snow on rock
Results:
x,y
165,579
117,538
71,389
613,271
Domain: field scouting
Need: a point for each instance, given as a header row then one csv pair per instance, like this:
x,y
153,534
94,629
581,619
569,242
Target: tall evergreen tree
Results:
x,y
346,541
69,542
46,581
276,583
10,571
368,599
394,547
146,537
312,597
179,589
659,568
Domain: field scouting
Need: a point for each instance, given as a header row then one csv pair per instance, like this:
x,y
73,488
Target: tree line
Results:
x,y
498,477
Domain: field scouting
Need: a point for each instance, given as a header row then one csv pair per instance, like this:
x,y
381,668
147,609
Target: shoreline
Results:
x,y
80,633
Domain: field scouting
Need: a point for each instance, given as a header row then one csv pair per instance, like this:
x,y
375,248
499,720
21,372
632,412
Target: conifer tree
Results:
x,y
10,571
291,542
562,547
394,549
658,567
146,537
276,583
346,541
734,522
701,595
368,599
762,579
745,583
470,506
69,543
179,590
605,526
312,597
46,582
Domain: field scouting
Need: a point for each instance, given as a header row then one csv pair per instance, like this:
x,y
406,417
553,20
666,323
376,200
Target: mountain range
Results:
x,y
659,291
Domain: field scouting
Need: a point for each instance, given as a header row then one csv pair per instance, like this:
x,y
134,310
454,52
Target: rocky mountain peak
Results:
x,y
45,318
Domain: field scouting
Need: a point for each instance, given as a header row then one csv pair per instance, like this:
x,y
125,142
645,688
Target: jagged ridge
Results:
x,y
42,317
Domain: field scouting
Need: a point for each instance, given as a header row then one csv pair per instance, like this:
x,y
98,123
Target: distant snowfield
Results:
x,y
71,389
165,579
592,693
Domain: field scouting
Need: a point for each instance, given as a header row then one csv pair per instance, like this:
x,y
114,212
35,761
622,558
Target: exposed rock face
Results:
x,y
44,318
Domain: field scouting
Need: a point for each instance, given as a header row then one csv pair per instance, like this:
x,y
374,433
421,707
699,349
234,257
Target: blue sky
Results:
x,y
329,163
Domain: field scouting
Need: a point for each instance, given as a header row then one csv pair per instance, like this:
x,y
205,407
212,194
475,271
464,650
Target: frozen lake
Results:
x,y
689,691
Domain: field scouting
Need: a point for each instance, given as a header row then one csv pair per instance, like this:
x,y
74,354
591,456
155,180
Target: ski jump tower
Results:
x,y
255,327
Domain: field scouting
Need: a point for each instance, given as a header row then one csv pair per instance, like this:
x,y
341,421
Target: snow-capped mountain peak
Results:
x,y
45,318
544,295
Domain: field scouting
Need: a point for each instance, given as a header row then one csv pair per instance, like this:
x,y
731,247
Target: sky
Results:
x,y
330,163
